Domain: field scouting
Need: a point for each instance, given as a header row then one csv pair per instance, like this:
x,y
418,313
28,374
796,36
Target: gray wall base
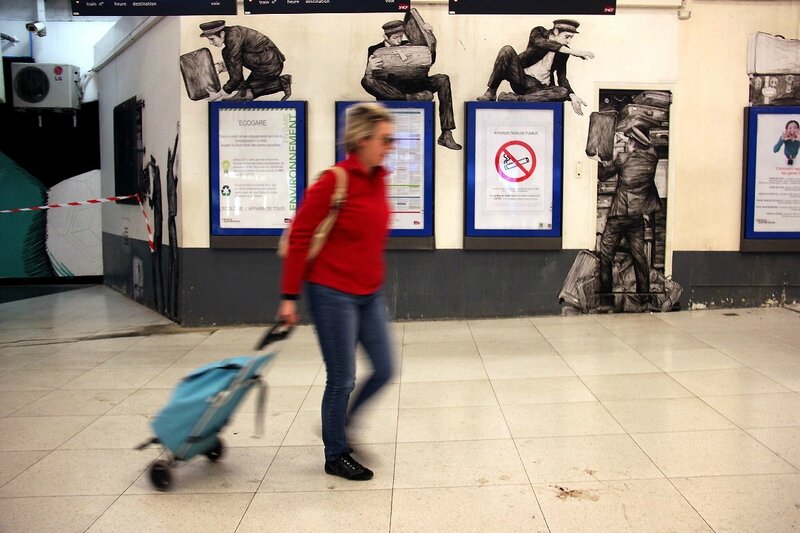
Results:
x,y
236,286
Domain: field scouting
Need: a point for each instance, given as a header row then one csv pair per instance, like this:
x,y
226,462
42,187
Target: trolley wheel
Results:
x,y
215,453
161,475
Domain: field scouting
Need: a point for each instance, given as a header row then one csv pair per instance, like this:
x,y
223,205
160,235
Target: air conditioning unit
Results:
x,y
45,86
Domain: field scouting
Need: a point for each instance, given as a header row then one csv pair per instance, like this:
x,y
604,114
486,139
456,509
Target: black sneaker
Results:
x,y
348,468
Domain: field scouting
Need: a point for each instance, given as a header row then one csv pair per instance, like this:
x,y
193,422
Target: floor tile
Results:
x,y
783,441
602,346
75,402
436,332
604,364
710,453
111,432
142,402
745,504
759,410
458,464
19,433
634,386
588,458
36,379
512,508
703,359
12,401
451,423
521,331
52,514
174,513
554,420
113,378
726,382
666,414
449,368
242,430
446,394
541,390
651,505
526,366
338,511
513,348
73,360
14,463
80,473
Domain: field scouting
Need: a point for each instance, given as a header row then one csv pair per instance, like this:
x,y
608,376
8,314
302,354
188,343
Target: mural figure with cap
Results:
x,y
538,74
397,69
636,195
246,48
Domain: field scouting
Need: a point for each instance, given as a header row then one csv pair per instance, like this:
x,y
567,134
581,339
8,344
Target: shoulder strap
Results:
x,y
340,189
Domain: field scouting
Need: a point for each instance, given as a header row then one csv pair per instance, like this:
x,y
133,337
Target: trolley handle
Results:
x,y
276,333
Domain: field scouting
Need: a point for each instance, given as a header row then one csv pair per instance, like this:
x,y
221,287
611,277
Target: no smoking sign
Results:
x,y
515,161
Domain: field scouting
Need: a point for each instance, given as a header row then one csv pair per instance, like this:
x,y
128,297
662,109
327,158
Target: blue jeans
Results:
x,y
343,320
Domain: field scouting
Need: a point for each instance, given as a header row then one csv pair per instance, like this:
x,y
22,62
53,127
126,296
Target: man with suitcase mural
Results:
x,y
385,82
244,47
636,195
539,74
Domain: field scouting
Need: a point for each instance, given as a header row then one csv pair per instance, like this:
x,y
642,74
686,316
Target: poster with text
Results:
x,y
776,185
258,166
514,169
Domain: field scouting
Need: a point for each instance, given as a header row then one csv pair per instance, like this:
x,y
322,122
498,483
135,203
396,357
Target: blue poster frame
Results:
x,y
214,109
428,147
753,240
555,232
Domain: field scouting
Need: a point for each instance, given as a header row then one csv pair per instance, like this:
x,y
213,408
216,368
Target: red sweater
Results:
x,y
352,259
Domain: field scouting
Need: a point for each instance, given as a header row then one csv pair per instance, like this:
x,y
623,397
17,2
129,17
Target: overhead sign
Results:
x,y
120,8
261,7
533,7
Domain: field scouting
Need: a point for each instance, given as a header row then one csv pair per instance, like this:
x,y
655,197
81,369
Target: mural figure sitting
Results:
x,y
408,79
539,74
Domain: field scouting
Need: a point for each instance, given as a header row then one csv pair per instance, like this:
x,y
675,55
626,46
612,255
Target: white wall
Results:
x,y
707,140
147,69
71,43
326,55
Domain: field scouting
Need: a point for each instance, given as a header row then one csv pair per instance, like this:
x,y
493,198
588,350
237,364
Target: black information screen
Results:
x,y
121,8
533,7
260,7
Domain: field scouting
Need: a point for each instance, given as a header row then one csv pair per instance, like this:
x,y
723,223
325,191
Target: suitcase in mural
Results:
x,y
772,54
199,74
781,89
657,114
600,141
581,282
660,99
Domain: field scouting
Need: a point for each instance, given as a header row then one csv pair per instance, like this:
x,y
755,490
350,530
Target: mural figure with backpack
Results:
x,y
336,246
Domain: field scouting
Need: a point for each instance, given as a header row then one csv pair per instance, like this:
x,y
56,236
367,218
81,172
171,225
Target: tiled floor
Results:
x,y
680,422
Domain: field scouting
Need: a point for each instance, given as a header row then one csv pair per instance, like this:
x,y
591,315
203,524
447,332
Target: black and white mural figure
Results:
x,y
538,74
629,137
153,175
242,48
635,197
397,69
171,309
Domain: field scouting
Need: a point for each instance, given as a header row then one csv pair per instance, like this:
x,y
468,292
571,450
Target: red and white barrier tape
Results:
x,y
150,242
70,204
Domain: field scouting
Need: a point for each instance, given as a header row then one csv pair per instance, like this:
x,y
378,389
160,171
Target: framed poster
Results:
x,y
771,184
410,165
514,175
258,170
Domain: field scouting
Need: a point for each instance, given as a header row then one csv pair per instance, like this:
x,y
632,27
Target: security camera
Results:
x,y
39,28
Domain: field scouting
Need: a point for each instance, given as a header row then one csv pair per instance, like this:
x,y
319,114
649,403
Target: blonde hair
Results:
x,y
359,123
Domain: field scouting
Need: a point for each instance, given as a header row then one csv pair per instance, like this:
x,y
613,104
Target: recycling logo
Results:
x,y
226,191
